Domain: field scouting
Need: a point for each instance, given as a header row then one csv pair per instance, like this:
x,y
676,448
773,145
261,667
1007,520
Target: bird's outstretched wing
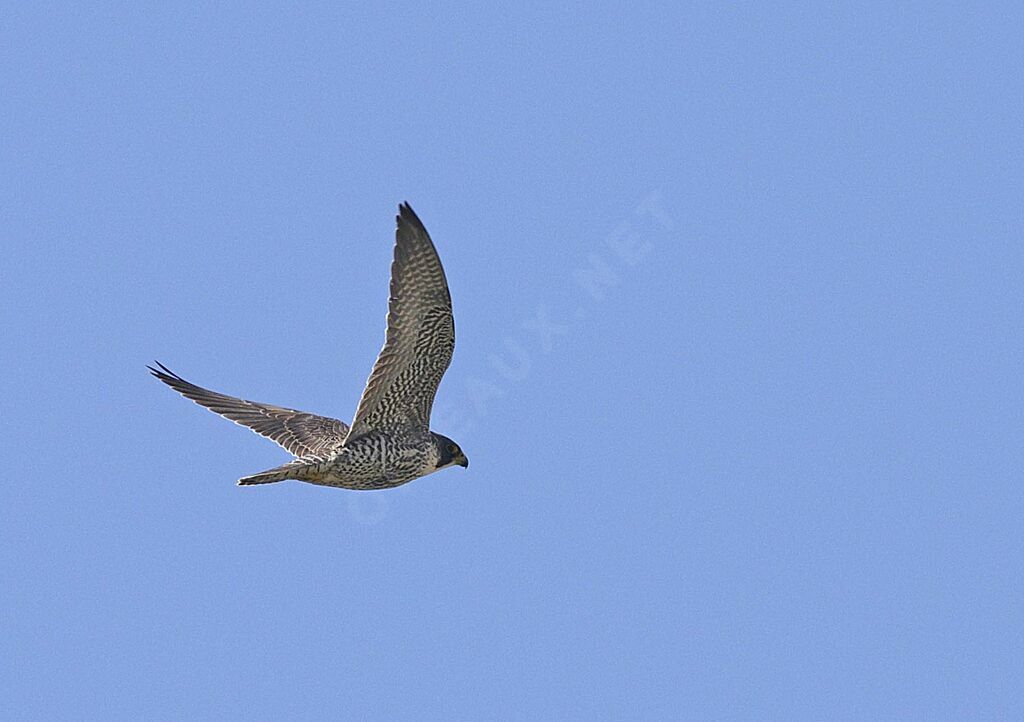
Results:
x,y
420,336
300,433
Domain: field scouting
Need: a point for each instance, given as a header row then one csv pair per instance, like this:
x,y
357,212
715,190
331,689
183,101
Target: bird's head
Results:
x,y
449,453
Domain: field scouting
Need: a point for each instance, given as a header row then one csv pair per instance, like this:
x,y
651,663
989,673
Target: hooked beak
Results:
x,y
462,461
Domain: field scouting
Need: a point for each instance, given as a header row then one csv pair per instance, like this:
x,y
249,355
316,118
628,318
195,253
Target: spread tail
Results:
x,y
291,470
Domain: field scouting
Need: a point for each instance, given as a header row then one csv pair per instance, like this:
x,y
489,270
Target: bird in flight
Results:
x,y
390,442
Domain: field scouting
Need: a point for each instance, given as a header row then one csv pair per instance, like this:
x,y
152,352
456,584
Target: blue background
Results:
x,y
738,296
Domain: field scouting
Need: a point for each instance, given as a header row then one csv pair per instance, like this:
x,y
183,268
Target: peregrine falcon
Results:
x,y
390,441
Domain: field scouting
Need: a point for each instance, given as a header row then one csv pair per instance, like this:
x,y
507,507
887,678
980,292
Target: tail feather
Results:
x,y
278,473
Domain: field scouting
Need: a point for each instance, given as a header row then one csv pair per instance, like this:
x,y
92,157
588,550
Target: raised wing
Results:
x,y
300,433
420,336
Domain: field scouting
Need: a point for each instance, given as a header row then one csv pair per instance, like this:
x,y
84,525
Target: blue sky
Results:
x,y
738,299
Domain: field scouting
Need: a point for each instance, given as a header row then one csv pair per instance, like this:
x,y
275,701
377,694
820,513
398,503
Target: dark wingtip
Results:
x,y
164,373
408,215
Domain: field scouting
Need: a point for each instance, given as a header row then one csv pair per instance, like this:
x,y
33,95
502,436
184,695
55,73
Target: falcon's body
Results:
x,y
390,442
375,461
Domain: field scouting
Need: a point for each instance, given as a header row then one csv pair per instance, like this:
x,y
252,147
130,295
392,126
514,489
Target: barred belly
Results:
x,y
374,462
